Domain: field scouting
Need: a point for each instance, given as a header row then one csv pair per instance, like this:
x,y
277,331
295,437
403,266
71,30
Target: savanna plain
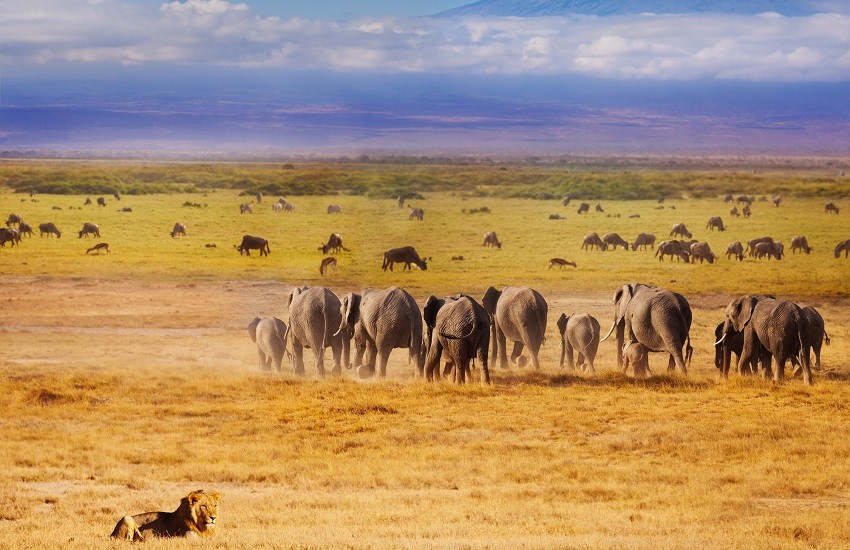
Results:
x,y
129,379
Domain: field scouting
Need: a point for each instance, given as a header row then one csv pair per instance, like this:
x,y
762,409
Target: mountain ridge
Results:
x,y
543,8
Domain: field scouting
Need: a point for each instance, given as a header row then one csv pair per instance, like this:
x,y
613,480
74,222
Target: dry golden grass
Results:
x,y
121,396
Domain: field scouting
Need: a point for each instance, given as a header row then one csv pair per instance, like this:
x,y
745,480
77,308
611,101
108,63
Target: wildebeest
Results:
x,y
830,207
583,208
843,245
88,201
746,211
728,198
334,209
400,201
751,244
490,239
567,200
416,214
328,262
259,198
9,235
49,229
591,240
101,201
734,212
406,255
179,229
117,196
277,207
99,247
334,244
245,208
90,229
777,200
25,229
643,240
253,243
672,248
701,251
769,249
599,208
614,240
715,222
561,263
744,199
735,249
556,217
681,230
800,243
13,219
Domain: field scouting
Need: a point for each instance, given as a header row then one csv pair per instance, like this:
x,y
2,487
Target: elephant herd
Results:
x,y
457,330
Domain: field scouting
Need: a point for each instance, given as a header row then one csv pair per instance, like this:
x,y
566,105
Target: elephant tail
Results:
x,y
689,351
826,338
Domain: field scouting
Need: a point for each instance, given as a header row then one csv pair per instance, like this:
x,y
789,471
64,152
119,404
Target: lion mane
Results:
x,y
195,517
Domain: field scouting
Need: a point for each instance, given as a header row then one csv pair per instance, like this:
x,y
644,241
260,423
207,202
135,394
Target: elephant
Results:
x,y
778,325
580,333
269,334
817,333
380,321
314,315
636,355
518,314
458,328
655,317
734,343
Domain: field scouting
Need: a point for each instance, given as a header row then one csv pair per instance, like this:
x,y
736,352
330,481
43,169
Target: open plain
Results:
x,y
128,379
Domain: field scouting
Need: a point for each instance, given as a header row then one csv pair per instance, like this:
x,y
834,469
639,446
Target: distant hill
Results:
x,y
538,8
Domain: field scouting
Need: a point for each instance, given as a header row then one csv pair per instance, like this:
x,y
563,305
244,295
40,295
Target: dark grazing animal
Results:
x,y
672,248
334,209
334,245
9,235
715,222
680,229
49,229
416,214
101,201
583,208
800,243
643,240
830,208
613,240
735,249
591,240
843,245
406,255
13,219
245,208
701,251
253,243
25,229
179,229
490,239
561,263
90,229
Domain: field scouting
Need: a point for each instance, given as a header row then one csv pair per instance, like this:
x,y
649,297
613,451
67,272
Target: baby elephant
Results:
x,y
579,333
270,335
637,355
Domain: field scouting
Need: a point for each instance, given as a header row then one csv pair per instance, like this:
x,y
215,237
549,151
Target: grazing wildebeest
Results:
x,y
334,244
672,248
734,212
715,222
751,244
643,240
567,200
777,200
830,208
599,208
334,209
613,240
701,251
9,235
259,198
101,201
744,199
556,217
253,243
99,247
735,249
13,219
179,229
800,243
591,240
561,263
245,208
288,207
843,245
746,211
326,263
49,229
728,198
25,229
583,208
490,239
769,249
88,201
400,201
406,255
90,229
680,229
416,214
277,207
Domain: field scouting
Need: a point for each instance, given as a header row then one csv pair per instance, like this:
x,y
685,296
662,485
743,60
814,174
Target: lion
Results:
x,y
195,517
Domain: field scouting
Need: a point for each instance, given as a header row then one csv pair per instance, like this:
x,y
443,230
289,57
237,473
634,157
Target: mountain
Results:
x,y
537,8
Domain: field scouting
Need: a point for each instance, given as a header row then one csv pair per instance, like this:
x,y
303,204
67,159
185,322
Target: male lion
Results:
x,y
195,517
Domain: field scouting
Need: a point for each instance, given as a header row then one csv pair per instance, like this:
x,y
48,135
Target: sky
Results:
x,y
199,58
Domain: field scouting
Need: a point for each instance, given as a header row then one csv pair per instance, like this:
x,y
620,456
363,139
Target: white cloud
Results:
x,y
767,47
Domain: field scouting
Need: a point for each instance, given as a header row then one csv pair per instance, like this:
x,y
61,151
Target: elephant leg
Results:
x,y
502,346
581,361
517,352
276,359
298,350
779,368
570,360
383,357
816,349
671,363
367,369
589,359
336,350
319,354
263,362
432,360
481,357
462,370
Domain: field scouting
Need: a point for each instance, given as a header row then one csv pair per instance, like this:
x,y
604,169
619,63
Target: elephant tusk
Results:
x,y
717,343
614,324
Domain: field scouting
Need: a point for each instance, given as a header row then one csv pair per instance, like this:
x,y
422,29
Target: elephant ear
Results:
x,y
562,323
622,298
491,298
429,312
743,312
252,329
351,309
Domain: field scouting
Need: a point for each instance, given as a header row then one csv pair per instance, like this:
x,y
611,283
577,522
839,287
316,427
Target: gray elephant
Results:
x,y
655,317
269,333
778,325
734,343
458,329
817,335
314,316
518,314
636,355
380,321
579,333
